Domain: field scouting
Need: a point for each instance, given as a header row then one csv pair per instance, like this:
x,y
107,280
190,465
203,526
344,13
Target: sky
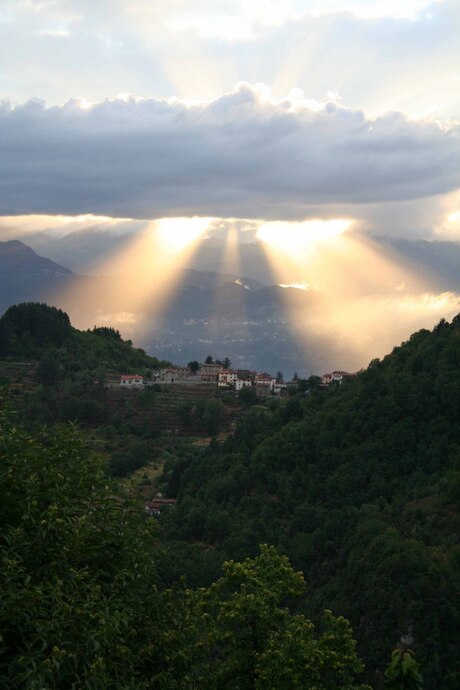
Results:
x,y
273,110
269,112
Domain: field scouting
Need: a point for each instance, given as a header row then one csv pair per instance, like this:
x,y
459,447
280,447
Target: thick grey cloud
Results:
x,y
241,155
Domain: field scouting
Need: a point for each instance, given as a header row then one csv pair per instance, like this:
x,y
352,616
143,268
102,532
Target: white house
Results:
x,y
226,378
242,383
278,388
131,380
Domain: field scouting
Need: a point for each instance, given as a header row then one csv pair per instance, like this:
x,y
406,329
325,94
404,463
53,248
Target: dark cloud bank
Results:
x,y
237,156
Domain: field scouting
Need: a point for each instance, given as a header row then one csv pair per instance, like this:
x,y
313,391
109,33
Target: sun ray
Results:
x,y
229,317
367,295
141,278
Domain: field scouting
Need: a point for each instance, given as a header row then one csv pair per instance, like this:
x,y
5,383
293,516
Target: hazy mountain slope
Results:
x,y
437,262
84,250
208,311
24,275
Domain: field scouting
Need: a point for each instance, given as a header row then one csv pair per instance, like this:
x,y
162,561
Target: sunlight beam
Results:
x,y
369,298
139,279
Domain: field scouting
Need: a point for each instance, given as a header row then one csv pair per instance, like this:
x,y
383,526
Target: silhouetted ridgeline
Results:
x,y
33,330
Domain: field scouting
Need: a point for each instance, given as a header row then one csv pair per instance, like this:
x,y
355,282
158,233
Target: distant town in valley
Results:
x,y
218,373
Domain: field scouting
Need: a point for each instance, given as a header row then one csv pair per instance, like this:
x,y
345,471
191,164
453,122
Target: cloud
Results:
x,y
378,54
244,154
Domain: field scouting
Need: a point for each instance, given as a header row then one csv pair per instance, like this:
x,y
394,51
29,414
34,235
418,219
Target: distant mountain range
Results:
x,y
254,322
210,312
26,276
438,262
83,251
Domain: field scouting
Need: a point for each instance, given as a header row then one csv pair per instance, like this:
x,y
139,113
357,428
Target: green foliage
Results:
x,y
247,395
75,583
295,659
194,365
358,486
250,640
185,413
32,330
29,327
79,602
48,369
85,411
212,415
106,332
205,415
312,383
403,672
128,460
147,398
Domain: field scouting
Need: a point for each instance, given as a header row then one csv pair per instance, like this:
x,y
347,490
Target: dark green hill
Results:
x,y
34,330
359,486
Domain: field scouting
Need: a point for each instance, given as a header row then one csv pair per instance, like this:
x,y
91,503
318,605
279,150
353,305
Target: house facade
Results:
x,y
210,372
131,380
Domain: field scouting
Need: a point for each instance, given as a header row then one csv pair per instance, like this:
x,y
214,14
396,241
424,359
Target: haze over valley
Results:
x,y
333,302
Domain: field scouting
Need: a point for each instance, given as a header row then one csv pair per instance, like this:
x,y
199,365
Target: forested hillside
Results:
x,y
359,486
81,606
37,330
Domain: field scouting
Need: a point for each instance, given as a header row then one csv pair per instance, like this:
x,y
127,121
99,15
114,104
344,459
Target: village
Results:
x,y
219,374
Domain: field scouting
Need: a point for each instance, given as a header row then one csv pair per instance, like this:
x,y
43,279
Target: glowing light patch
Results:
x,y
16,226
141,277
293,237
430,302
175,234
118,318
297,286
239,282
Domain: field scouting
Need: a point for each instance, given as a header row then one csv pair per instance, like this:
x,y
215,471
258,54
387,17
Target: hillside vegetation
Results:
x,y
359,486
33,330
57,373
80,605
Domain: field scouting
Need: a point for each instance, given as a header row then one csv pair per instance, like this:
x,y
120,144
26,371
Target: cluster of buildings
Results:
x,y
231,379
212,373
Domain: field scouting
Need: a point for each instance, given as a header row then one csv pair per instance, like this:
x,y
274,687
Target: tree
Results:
x,y
29,326
253,642
309,384
106,332
209,359
403,672
76,576
212,416
79,604
279,377
194,365
226,363
247,395
48,369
